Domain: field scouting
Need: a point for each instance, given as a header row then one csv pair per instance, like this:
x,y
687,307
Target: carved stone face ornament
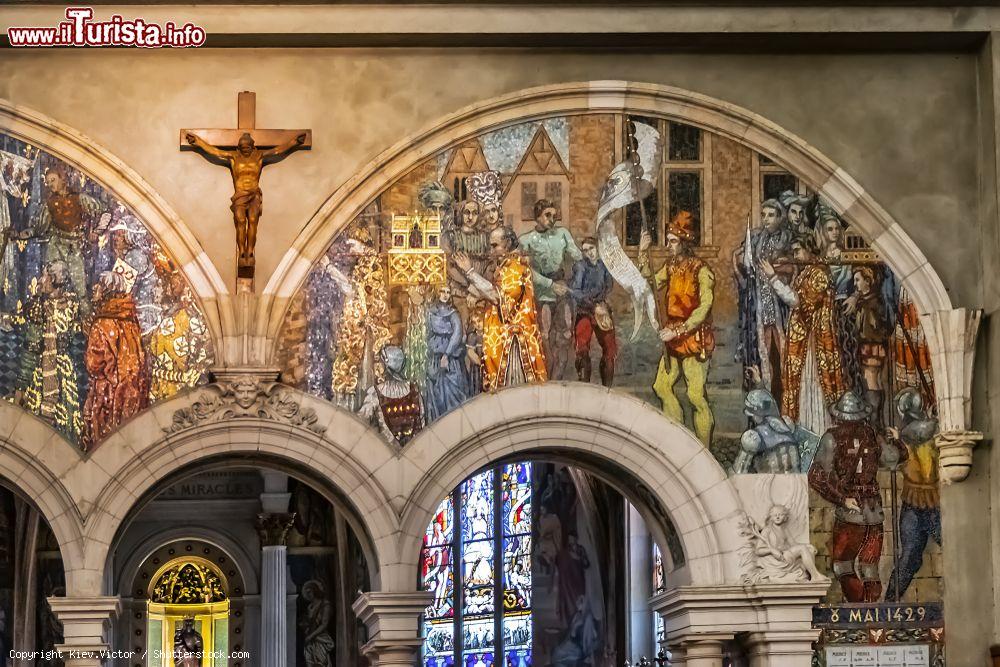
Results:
x,y
245,393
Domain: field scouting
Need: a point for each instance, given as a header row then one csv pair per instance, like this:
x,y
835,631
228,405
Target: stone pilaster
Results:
x,y
393,622
86,625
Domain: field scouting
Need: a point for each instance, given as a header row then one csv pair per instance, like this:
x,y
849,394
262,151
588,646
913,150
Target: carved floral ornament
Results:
x,y
188,581
246,398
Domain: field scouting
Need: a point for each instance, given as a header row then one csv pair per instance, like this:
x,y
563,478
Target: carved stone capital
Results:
x,y
273,528
246,396
951,335
955,454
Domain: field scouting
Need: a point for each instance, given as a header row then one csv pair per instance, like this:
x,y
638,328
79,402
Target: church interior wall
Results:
x,y
916,112
905,126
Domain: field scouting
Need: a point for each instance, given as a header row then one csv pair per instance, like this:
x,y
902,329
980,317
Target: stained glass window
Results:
x,y
437,576
480,617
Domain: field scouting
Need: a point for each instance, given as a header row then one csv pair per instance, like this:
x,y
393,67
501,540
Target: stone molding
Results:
x,y
246,397
767,618
952,336
392,618
86,623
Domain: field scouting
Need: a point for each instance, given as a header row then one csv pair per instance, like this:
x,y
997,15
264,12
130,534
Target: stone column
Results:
x,y
640,585
705,650
393,622
788,648
86,623
273,529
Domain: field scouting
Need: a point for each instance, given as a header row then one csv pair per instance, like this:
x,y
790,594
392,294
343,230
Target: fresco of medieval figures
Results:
x,y
660,260
96,322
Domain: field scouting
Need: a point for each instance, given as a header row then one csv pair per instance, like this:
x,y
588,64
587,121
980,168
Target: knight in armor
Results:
x,y
771,444
188,645
394,404
920,511
845,473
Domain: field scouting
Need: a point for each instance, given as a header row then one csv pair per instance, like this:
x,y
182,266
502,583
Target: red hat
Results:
x,y
682,226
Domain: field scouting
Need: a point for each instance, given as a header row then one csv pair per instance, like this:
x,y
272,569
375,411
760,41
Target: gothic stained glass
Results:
x,y
463,625
437,575
477,507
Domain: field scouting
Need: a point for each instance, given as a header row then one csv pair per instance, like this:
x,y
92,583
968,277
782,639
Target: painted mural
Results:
x,y
661,260
96,322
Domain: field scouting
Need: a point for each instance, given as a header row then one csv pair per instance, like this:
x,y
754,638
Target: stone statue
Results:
x,y
245,163
317,645
773,556
188,645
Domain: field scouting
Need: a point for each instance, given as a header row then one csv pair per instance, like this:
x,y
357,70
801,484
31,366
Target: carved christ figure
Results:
x,y
245,163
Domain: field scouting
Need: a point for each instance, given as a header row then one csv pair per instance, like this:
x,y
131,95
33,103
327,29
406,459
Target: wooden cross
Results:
x,y
245,162
246,121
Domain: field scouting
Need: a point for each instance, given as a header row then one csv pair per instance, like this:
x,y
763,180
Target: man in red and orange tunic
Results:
x,y
512,343
686,289
115,360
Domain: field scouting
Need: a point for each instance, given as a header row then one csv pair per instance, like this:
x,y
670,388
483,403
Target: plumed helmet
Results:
x,y
760,404
682,226
909,403
850,408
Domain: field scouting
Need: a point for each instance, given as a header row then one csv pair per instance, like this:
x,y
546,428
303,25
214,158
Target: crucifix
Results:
x,y
245,151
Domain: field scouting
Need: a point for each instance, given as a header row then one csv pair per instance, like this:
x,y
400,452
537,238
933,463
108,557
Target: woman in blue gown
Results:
x,y
447,384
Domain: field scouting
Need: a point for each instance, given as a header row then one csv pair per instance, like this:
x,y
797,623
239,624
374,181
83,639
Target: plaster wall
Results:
x,y
903,125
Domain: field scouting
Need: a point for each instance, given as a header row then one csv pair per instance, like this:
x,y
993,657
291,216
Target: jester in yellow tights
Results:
x,y
685,288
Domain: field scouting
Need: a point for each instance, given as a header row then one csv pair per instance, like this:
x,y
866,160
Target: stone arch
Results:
x,y
619,436
349,464
237,553
129,187
734,122
33,462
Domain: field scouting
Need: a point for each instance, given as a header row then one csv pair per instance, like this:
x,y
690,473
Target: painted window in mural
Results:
x,y
477,614
734,299
96,322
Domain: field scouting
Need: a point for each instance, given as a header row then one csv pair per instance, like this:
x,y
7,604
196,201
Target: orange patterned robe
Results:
x,y
512,322
811,323
116,363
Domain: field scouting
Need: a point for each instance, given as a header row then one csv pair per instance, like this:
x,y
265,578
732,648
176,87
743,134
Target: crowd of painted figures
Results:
x,y
506,315
824,332
95,320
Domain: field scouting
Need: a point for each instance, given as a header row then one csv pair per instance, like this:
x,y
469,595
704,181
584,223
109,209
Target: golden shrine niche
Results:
x,y
188,587
415,255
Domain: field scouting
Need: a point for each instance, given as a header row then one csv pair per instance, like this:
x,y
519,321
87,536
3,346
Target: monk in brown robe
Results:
x,y
115,361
